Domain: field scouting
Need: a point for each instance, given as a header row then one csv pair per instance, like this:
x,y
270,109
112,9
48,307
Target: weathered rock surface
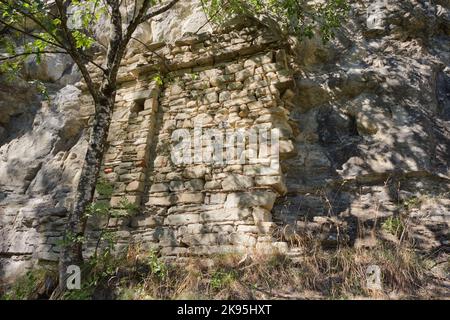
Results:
x,y
364,126
372,119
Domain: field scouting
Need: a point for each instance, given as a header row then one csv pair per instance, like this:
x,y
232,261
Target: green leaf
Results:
x,y
82,40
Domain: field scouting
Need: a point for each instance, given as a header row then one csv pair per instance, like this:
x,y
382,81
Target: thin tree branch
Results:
x,y
134,9
152,51
30,53
49,12
158,10
33,18
210,18
75,53
30,34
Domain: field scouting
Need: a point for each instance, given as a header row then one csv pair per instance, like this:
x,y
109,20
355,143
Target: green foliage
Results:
x,y
17,16
69,239
10,69
104,188
393,225
411,203
26,286
300,18
126,208
157,267
158,79
195,76
97,270
82,40
97,208
41,88
221,278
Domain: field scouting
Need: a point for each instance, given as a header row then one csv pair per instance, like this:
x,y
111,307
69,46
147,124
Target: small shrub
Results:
x,y
411,203
157,266
32,285
104,188
394,225
221,279
158,79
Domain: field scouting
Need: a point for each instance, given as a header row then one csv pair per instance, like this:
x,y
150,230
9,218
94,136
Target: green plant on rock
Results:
x,y
157,266
195,76
98,270
27,286
412,203
104,188
222,278
157,78
394,225
97,208
70,239
126,208
85,293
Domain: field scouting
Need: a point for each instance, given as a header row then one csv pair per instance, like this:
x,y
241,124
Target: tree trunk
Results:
x,y
71,251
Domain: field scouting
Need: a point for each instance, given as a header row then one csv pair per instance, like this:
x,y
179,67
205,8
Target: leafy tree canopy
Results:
x,y
300,18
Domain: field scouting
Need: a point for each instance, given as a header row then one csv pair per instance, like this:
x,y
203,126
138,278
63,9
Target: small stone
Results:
x,y
265,199
261,170
243,239
188,197
210,98
176,185
244,74
180,219
233,68
212,185
196,172
135,186
160,161
224,95
217,198
220,80
150,222
232,214
261,215
204,239
271,67
159,187
271,247
235,86
259,60
276,182
164,201
140,95
237,182
194,184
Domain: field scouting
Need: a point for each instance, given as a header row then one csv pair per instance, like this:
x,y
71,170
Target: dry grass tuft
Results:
x,y
335,274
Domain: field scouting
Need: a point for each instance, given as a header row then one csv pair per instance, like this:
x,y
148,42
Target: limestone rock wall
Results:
x,y
373,127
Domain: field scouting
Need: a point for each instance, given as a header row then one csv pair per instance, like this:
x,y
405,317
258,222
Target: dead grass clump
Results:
x,y
335,274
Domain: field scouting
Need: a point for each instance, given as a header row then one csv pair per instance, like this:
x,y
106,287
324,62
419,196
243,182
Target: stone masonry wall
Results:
x,y
226,82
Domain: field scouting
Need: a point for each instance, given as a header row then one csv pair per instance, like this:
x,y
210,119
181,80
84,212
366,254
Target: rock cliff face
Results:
x,y
364,124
